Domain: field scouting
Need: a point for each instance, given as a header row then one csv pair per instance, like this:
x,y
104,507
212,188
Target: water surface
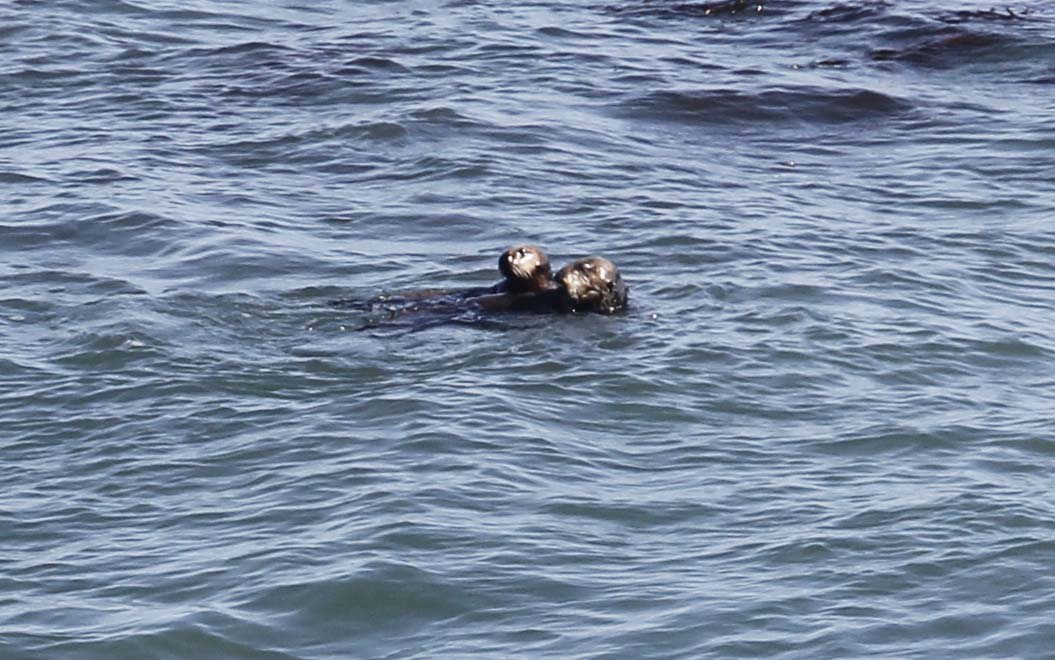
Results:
x,y
823,430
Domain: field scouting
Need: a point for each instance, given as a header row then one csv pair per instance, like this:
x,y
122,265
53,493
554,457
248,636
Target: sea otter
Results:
x,y
592,284
526,268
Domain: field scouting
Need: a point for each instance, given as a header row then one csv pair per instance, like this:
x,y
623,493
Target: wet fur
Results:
x,y
593,284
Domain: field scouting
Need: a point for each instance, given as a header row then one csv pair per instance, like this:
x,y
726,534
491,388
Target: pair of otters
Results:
x,y
592,284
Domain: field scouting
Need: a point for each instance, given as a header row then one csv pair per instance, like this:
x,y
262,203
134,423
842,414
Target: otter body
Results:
x,y
525,269
592,284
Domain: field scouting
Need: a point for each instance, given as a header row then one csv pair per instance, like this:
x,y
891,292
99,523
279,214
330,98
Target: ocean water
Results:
x,y
825,428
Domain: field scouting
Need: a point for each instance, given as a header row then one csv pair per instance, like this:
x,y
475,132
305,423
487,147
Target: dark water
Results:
x,y
824,430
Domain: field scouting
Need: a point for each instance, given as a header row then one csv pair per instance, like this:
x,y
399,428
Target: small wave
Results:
x,y
382,595
374,63
716,8
250,48
102,175
947,48
18,178
992,14
109,351
933,38
801,104
887,438
187,637
848,13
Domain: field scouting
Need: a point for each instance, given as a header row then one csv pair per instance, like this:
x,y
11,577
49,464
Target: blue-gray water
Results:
x,y
824,429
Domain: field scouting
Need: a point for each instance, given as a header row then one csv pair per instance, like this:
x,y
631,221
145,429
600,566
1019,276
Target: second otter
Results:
x,y
526,268
592,284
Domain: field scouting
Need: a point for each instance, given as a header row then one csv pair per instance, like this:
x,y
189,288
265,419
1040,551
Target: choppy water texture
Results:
x,y
824,429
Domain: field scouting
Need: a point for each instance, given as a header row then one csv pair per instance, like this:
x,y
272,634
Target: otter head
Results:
x,y
593,284
526,268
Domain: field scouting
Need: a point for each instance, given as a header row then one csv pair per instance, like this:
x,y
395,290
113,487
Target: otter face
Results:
x,y
593,284
525,267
